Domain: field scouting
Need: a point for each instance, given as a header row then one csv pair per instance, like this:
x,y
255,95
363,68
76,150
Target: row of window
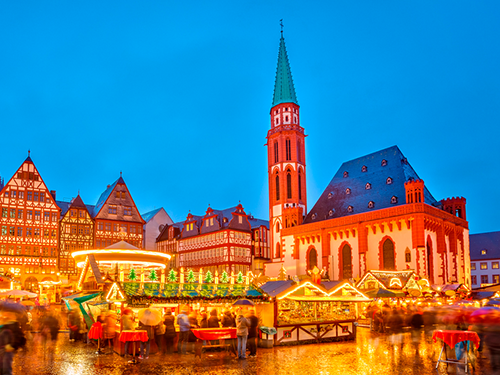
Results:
x,y
288,151
112,209
121,195
350,209
495,279
42,270
484,265
30,232
77,213
124,228
218,252
32,196
77,229
36,215
288,185
214,236
28,250
364,168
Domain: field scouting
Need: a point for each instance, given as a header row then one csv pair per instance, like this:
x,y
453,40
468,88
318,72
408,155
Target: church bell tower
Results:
x,y
286,156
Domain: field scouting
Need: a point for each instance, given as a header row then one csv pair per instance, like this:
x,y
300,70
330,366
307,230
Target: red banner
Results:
x,y
215,333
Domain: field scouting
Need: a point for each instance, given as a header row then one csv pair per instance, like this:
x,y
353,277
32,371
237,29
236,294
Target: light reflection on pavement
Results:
x,y
371,353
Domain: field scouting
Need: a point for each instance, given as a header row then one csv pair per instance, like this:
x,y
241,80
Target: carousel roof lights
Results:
x,y
135,262
121,251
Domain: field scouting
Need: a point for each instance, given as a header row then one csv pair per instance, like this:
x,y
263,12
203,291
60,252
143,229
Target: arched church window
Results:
x,y
278,250
300,184
288,150
277,227
313,258
407,255
388,255
346,262
276,158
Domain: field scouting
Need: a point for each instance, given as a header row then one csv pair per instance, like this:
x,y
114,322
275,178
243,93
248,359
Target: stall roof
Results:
x,y
273,288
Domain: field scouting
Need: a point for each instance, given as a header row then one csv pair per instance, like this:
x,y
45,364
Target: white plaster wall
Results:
x,y
151,229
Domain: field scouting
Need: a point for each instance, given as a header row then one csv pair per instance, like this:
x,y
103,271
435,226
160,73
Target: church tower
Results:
x,y
286,156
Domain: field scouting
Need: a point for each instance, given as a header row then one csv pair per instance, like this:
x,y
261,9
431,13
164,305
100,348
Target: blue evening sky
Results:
x,y
177,96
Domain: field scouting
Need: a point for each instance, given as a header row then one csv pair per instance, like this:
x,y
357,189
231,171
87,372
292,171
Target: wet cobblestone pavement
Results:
x,y
371,353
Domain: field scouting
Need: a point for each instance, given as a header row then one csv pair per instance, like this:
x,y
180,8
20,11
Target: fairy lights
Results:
x,y
307,284
120,251
114,292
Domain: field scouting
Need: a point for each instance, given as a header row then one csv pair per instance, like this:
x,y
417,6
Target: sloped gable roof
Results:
x,y
485,241
105,195
335,201
151,214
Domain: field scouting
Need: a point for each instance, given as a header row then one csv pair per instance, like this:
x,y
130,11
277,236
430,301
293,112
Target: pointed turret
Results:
x,y
284,91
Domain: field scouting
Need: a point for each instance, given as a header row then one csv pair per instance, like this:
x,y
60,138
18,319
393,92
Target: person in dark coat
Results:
x,y
229,321
204,321
169,321
9,330
145,346
253,323
213,321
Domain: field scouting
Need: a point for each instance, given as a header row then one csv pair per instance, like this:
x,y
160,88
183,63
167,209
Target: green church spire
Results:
x,y
284,91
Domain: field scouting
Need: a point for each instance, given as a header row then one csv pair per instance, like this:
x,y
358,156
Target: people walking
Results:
x,y
242,335
253,334
227,322
109,329
184,326
11,339
160,337
145,346
127,325
169,321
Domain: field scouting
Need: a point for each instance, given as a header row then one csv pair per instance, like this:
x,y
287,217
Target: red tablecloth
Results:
x,y
215,333
452,338
133,336
95,331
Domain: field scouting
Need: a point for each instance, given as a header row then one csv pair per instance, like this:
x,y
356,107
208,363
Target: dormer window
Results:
x,y
364,168
371,204
314,216
388,181
348,191
350,209
394,199
483,252
331,212
384,163
330,195
225,220
346,174
368,186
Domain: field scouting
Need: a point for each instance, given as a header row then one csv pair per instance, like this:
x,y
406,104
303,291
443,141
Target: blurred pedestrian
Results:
x,y
253,334
395,323
109,329
127,321
242,335
213,321
169,321
160,337
228,321
146,346
11,339
193,323
204,320
50,327
184,326
492,341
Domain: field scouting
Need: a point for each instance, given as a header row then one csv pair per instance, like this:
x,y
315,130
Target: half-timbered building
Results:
x,y
375,214
221,240
117,218
76,232
29,227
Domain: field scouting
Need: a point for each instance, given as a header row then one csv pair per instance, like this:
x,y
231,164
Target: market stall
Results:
x,y
309,312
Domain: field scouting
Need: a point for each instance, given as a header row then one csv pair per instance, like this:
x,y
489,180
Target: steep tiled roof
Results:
x,y
284,91
104,196
64,206
373,169
485,241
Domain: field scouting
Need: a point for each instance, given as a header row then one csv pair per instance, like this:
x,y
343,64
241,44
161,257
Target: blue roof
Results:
x,y
64,206
485,241
273,288
380,165
149,215
284,91
105,195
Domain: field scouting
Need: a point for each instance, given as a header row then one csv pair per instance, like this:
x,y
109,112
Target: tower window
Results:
x,y
346,174
288,150
350,209
300,185
289,185
286,118
277,187
371,204
276,159
388,181
348,191
368,186
364,168
384,163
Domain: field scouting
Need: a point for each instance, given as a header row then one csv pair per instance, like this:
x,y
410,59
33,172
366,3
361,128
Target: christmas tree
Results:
x,y
224,279
190,277
132,276
208,277
171,276
282,273
239,279
153,276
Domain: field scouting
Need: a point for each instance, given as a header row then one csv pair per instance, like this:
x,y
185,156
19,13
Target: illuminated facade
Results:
x,y
76,233
29,227
376,213
117,218
221,240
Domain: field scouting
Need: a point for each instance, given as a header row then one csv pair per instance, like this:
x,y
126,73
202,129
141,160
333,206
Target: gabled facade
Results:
x,y
221,240
117,218
155,221
76,232
29,227
376,213
485,258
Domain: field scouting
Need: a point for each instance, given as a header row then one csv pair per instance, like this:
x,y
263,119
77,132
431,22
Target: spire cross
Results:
x,y
281,24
